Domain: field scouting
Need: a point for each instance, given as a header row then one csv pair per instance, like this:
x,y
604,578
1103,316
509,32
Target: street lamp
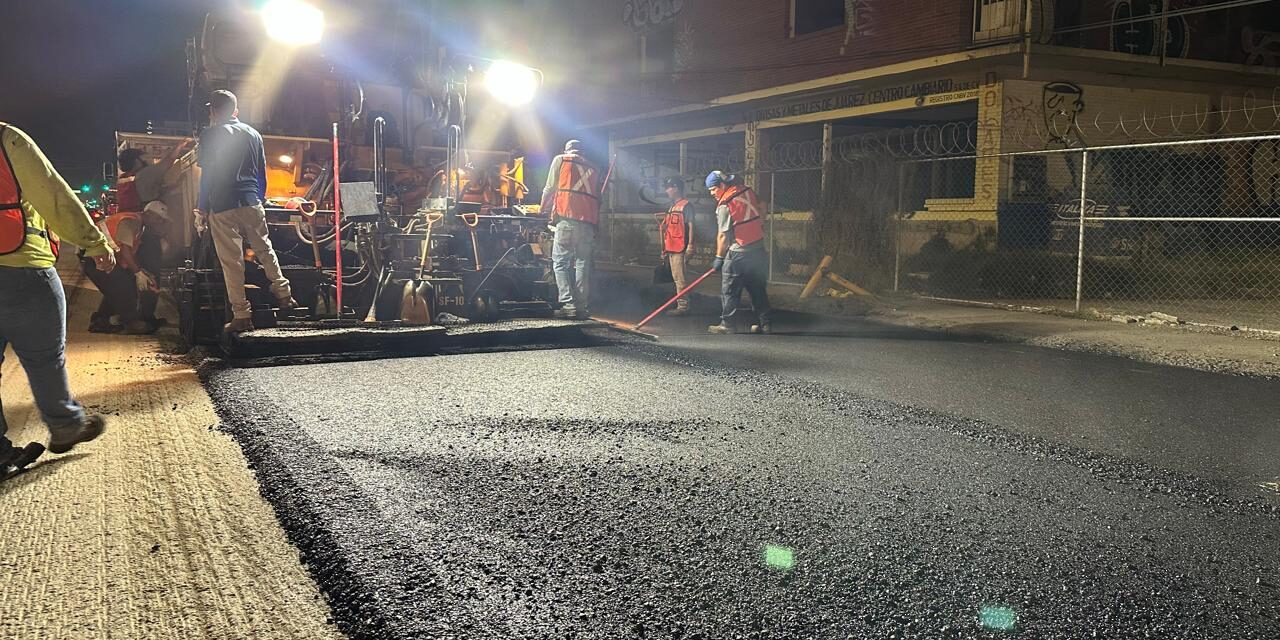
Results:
x,y
293,22
511,83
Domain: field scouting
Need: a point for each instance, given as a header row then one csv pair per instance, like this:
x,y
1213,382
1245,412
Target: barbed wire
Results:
x,y
1027,126
1023,127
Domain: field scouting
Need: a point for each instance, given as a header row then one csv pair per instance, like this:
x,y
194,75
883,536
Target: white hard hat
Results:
x,y
158,208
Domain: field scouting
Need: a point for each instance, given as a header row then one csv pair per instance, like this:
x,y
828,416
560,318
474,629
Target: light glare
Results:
x,y
286,159
512,84
293,22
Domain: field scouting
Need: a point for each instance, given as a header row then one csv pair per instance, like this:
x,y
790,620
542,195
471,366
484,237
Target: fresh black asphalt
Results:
x,y
843,481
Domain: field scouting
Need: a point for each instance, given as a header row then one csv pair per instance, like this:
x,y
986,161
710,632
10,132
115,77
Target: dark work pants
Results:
x,y
744,270
120,295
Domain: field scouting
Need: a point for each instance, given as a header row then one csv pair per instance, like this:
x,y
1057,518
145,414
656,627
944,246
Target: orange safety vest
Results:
x,y
112,223
13,220
577,194
675,229
744,215
127,198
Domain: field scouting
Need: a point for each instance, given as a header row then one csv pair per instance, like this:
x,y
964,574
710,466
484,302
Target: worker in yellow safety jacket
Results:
x,y
36,204
572,196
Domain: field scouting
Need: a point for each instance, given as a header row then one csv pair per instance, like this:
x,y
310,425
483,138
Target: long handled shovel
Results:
x,y
415,309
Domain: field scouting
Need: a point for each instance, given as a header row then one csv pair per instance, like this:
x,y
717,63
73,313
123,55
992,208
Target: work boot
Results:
x,y
103,325
64,438
720,329
286,303
763,328
569,313
238,325
14,460
139,328
679,311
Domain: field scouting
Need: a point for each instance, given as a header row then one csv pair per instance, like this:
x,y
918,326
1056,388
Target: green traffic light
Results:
x,y
106,187
84,188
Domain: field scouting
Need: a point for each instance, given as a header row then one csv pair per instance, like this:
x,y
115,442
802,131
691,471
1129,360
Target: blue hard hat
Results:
x,y
718,177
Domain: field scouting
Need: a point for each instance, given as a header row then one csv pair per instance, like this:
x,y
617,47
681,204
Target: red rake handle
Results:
x,y
673,300
337,218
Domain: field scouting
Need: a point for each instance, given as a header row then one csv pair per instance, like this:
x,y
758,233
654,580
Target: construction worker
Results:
x,y
36,204
572,195
233,187
675,231
740,252
131,291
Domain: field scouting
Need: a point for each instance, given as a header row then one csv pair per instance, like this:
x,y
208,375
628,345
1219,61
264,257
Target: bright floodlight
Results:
x,y
512,84
286,159
293,22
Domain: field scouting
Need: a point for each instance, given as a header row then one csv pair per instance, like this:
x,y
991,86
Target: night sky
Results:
x,y
75,71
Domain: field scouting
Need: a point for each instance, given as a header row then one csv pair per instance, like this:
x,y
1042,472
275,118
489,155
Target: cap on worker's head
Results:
x,y
673,183
573,145
129,157
222,101
716,178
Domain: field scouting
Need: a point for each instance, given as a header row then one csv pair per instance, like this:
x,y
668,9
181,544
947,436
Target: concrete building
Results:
x,y
694,83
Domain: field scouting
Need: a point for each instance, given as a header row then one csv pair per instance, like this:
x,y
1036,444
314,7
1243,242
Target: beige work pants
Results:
x,y
676,260
231,229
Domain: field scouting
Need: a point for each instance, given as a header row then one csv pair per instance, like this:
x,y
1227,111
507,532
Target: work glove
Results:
x,y
718,265
199,218
145,282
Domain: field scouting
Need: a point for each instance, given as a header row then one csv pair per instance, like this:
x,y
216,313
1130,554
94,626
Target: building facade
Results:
x,y
765,86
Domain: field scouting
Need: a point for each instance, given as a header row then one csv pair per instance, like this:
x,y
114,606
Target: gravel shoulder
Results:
x,y
155,530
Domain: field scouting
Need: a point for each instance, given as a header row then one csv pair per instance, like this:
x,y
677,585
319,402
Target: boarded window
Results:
x,y
808,16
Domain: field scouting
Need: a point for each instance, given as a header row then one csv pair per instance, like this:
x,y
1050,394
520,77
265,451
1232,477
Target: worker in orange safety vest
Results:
x,y
675,231
572,198
741,257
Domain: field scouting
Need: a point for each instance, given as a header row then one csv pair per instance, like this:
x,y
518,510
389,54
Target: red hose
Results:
x,y
337,216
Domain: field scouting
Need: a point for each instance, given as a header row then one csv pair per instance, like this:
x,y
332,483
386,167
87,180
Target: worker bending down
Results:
x,y
740,253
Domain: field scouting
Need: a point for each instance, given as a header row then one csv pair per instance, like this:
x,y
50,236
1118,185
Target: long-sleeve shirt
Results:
x,y
233,167
47,200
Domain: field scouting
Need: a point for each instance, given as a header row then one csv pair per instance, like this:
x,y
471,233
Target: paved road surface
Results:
x,y
838,481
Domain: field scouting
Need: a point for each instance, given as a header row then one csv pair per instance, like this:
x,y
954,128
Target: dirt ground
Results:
x,y
155,530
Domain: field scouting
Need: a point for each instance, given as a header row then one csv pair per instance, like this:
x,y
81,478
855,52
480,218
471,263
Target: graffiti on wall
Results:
x,y
859,20
685,40
1131,33
1260,47
642,14
1062,103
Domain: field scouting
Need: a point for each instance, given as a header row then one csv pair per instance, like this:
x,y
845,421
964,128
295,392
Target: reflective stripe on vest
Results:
x,y
13,220
675,229
744,215
577,194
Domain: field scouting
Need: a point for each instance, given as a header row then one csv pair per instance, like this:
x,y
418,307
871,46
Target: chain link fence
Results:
x,y
1183,229
1190,229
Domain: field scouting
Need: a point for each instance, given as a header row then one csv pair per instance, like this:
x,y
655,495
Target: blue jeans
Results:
x,y
571,261
33,318
745,270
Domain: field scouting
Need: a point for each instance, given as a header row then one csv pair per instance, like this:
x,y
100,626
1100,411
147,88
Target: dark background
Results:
x,y
75,71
